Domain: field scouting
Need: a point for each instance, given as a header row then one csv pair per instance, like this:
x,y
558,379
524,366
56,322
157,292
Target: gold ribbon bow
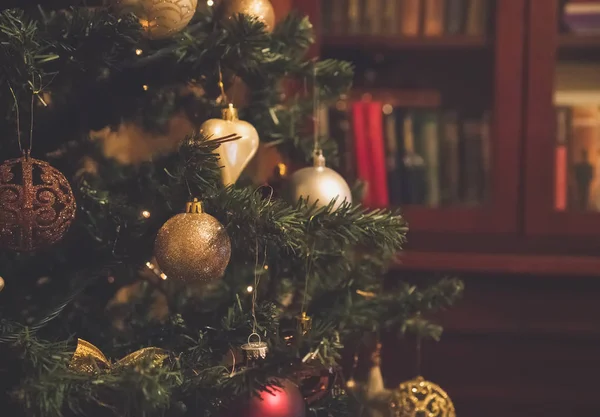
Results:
x,y
89,359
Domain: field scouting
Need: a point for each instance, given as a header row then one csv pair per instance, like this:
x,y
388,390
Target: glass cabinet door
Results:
x,y
563,118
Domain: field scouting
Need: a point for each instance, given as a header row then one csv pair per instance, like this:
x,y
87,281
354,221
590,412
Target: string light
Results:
x,y
351,383
163,276
146,214
266,267
150,265
210,3
250,288
138,52
145,87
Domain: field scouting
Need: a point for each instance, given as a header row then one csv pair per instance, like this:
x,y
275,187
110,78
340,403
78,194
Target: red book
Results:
x,y
377,164
361,149
560,159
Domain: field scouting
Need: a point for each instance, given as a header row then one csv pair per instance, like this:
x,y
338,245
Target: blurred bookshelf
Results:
x,y
469,121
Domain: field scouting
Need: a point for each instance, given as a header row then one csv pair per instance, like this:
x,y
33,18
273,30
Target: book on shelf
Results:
x,y
450,158
413,171
582,17
393,154
477,17
373,12
361,149
410,12
354,17
427,145
377,165
473,178
563,117
433,20
341,132
455,16
390,17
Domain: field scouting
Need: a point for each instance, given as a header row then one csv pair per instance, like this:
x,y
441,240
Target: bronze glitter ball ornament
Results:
x,y
192,246
160,19
37,204
418,397
259,9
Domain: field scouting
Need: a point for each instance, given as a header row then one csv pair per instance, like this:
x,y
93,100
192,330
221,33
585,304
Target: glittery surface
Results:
x,y
192,247
37,204
418,397
160,18
261,9
319,183
89,359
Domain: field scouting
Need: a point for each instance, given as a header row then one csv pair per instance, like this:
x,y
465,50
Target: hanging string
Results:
x,y
316,113
256,269
221,84
418,359
18,116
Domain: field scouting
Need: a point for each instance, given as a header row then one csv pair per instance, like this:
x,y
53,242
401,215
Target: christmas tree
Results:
x,y
135,226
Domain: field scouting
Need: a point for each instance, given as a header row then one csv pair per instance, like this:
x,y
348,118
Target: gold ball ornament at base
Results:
x,y
160,19
192,246
319,185
234,156
1,284
260,9
37,204
418,397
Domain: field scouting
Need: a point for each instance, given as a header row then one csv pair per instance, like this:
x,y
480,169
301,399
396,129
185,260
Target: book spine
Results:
x,y
473,163
477,17
450,159
374,17
339,15
429,138
455,16
361,149
486,156
378,173
354,17
414,184
433,23
560,159
390,17
410,17
583,155
392,155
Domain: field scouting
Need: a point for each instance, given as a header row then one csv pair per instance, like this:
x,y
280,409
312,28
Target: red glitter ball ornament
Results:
x,y
37,204
284,401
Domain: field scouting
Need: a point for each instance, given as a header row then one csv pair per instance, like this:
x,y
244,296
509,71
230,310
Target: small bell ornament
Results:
x,y
319,184
235,155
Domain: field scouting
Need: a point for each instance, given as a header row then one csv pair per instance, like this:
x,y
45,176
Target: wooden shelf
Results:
x,y
405,43
573,41
542,265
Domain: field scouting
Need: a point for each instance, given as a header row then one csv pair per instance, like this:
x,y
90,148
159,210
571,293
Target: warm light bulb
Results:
x,y
250,288
351,383
210,3
138,52
146,214
163,275
145,87
266,267
150,265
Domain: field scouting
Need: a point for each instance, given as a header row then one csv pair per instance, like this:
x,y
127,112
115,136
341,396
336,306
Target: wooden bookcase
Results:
x,y
518,230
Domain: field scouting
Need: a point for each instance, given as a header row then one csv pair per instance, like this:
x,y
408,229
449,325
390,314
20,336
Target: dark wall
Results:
x,y
515,346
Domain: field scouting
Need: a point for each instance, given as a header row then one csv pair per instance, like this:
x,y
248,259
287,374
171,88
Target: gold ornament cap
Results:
x,y
318,159
230,113
194,207
304,322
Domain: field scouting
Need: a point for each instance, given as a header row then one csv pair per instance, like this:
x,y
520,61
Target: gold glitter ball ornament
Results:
x,y
37,204
260,9
1,283
421,398
319,185
160,19
192,246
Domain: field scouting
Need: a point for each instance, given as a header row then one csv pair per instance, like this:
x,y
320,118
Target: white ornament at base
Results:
x,y
319,185
159,18
237,154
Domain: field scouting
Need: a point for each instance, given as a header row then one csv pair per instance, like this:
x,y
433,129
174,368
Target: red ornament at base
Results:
x,y
284,401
